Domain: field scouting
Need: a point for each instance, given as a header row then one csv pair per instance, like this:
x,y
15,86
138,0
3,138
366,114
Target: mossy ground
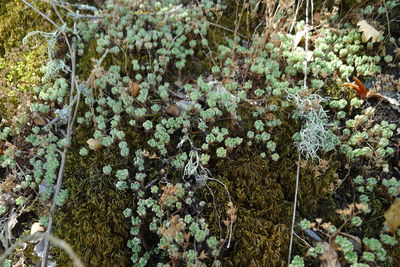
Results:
x,y
16,20
92,221
19,64
263,191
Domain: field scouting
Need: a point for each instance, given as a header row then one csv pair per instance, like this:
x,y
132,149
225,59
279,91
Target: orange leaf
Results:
x,y
362,89
359,87
392,215
134,89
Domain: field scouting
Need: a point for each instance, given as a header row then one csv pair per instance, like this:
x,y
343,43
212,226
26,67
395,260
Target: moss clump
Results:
x,y
86,61
19,73
261,211
92,221
19,65
15,12
263,191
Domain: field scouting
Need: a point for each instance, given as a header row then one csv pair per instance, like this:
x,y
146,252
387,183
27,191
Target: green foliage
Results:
x,y
19,72
14,13
91,220
19,66
158,137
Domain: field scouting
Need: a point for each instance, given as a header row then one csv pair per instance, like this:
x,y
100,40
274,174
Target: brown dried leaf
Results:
x,y
226,222
203,255
392,215
368,32
173,110
134,89
318,18
186,236
12,221
94,144
326,225
231,212
39,121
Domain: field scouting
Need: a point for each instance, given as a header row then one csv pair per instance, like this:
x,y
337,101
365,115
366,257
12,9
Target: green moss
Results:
x,y
85,63
260,202
19,65
92,221
336,90
15,12
19,73
395,254
263,191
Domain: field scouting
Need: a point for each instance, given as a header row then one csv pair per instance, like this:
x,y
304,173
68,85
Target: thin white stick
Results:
x,y
294,207
306,48
295,15
299,157
387,17
63,156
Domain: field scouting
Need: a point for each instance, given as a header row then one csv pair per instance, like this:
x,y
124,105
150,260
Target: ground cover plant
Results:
x,y
200,133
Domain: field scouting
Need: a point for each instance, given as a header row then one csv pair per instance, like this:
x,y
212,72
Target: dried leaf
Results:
x,y
392,215
362,90
231,212
134,89
39,121
12,221
364,93
368,32
186,236
36,227
318,18
298,37
94,144
226,222
203,255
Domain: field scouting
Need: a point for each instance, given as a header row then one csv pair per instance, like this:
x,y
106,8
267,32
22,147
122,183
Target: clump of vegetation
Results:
x,y
149,140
